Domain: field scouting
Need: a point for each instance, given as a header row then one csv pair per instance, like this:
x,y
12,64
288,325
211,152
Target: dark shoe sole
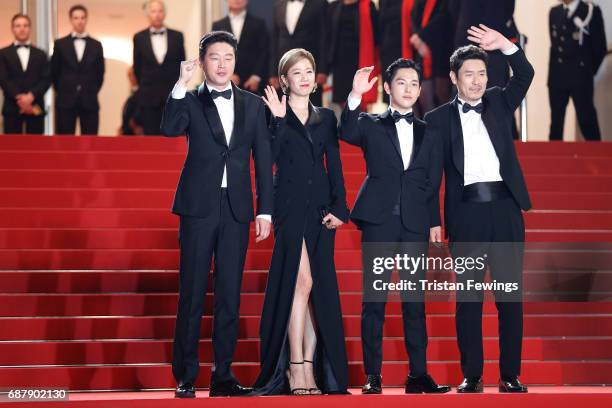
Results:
x,y
505,390
420,390
184,395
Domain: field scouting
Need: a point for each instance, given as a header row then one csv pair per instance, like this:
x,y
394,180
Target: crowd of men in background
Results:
x,y
342,35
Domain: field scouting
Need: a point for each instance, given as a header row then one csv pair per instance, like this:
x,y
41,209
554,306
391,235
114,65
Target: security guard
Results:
x,y
578,47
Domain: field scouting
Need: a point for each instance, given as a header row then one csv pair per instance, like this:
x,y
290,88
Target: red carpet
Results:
x,y
88,258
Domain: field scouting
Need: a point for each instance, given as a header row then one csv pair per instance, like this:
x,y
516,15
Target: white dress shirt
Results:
x,y
23,53
159,42
405,131
237,23
294,9
480,161
79,44
225,108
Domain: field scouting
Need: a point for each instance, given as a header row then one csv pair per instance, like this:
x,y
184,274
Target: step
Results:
x,y
123,351
98,282
125,326
90,218
157,376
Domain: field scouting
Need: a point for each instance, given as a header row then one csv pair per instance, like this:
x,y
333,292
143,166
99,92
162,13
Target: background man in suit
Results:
x,y
577,48
224,124
396,203
484,193
158,52
253,55
300,24
24,77
77,68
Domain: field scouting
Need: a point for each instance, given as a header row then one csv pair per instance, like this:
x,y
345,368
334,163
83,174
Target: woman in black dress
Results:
x,y
302,336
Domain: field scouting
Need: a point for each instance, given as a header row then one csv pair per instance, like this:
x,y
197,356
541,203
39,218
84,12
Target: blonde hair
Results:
x,y
147,4
288,60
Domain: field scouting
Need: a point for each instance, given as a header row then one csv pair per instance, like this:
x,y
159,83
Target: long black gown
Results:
x,y
304,185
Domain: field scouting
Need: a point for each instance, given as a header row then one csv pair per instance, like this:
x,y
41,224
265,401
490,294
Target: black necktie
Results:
x,y
467,107
227,94
409,117
18,46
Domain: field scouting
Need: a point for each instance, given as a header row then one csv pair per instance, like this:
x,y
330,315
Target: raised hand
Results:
x,y
488,39
276,106
188,68
362,82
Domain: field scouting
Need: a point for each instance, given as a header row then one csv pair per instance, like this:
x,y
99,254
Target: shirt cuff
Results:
x,y
179,91
266,217
353,103
511,50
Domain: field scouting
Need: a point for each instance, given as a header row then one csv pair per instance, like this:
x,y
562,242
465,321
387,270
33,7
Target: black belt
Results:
x,y
485,192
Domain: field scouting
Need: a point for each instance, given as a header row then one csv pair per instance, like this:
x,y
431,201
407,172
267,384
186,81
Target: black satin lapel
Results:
x,y
493,130
87,51
418,133
149,45
212,115
391,130
456,136
302,18
294,122
14,57
239,115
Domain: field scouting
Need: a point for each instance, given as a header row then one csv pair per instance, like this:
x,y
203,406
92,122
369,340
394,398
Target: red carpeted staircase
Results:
x,y
88,280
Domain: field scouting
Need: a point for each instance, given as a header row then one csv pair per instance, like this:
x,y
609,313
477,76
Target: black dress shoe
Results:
x,y
424,384
186,390
373,385
470,385
511,384
228,389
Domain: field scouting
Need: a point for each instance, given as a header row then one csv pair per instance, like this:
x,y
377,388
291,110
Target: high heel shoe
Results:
x,y
313,391
296,391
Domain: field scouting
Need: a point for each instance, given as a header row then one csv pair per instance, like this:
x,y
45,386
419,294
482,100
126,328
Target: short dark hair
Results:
x,y
215,37
465,53
77,7
398,64
21,15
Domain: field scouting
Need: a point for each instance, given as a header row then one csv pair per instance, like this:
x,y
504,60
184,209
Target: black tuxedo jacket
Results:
x,y
156,80
73,79
253,55
496,14
198,191
13,80
310,33
386,179
498,115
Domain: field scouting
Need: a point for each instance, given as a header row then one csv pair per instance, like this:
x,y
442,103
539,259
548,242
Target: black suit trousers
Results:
x,y
65,124
201,238
484,226
413,310
14,124
582,95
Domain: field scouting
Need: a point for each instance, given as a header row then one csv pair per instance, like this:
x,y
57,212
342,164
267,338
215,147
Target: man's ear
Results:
x,y
387,88
453,77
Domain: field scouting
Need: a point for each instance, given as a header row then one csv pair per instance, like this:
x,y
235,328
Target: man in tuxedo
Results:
x,y
300,24
77,69
484,193
224,125
396,204
158,52
25,76
252,58
577,48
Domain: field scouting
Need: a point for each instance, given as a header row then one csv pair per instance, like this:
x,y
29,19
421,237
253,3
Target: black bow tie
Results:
x,y
467,107
76,37
409,117
18,46
227,94
299,1
160,32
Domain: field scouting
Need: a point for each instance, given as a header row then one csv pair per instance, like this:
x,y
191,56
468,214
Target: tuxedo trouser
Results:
x,y
13,124
89,121
582,95
201,238
413,310
479,224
